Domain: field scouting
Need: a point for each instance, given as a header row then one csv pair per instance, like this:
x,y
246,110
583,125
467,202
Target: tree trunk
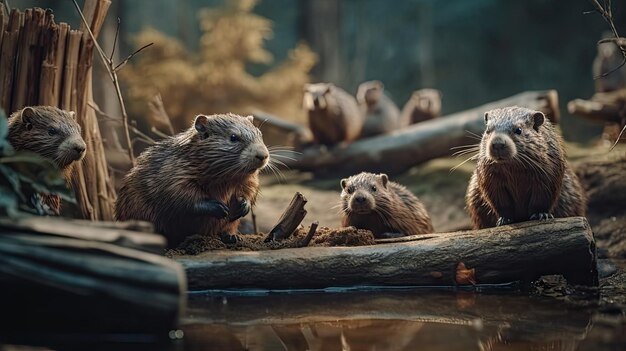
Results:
x,y
520,252
401,150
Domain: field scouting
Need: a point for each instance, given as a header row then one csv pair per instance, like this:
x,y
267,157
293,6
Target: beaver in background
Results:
x,y
522,173
53,134
334,115
201,181
424,104
388,209
381,114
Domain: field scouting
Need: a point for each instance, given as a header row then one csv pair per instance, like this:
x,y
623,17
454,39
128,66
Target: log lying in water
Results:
x,y
520,252
72,277
399,151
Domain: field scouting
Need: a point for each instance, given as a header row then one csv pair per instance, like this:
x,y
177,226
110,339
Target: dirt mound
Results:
x,y
324,236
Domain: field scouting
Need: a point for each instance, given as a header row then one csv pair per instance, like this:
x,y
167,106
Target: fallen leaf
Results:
x,y
465,275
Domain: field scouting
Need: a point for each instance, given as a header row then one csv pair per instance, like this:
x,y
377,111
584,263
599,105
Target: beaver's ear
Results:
x,y
202,125
344,183
486,117
378,84
538,118
384,179
27,115
250,118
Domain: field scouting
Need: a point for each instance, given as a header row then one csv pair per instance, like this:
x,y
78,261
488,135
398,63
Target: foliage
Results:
x,y
23,175
215,80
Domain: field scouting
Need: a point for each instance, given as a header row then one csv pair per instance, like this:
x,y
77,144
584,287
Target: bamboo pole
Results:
x,y
8,59
48,94
64,29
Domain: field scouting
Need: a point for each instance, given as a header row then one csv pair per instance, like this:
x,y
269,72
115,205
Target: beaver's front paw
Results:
x,y
213,208
503,221
242,210
541,216
227,238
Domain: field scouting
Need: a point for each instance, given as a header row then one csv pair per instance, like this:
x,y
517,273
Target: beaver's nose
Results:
x,y
79,149
359,199
262,156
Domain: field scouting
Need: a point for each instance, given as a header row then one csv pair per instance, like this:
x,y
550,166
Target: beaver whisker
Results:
x,y
465,152
473,157
473,135
284,157
279,162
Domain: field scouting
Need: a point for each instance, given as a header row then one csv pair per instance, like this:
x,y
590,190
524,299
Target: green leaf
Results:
x,y
8,202
39,173
5,147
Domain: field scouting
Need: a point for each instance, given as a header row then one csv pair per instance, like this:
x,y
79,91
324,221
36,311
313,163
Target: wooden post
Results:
x,y
520,252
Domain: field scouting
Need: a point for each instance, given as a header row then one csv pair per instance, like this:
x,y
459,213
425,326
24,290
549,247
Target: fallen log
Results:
x,y
278,131
520,252
74,278
605,107
396,152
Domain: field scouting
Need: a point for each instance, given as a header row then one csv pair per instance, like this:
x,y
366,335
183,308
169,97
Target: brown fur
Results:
x,y
52,133
423,105
381,113
334,116
371,201
201,163
521,172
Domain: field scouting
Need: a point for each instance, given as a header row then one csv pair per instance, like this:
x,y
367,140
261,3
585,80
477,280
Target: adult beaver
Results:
x,y
334,115
522,173
388,209
201,181
52,133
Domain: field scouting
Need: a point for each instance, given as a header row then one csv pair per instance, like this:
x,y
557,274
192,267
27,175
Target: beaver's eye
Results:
x,y
350,189
373,187
518,131
52,131
234,138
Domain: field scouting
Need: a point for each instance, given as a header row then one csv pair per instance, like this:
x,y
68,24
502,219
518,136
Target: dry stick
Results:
x,y
607,14
112,70
253,215
309,235
290,219
159,115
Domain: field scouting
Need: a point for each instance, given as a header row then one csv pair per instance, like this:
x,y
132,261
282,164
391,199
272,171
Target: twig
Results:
x,y
607,14
309,235
117,32
154,130
123,63
112,69
253,215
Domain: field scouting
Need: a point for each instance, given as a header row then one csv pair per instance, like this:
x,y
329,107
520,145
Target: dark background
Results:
x,y
473,51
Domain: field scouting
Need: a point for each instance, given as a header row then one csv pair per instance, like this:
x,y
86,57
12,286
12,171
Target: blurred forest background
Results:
x,y
472,51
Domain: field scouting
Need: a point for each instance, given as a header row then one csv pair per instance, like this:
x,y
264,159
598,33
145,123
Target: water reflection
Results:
x,y
384,321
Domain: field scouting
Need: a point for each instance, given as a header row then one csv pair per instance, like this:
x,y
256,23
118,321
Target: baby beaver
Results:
x,y
370,201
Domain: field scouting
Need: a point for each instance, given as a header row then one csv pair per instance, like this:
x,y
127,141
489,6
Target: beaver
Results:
x,y
334,115
53,134
388,209
200,181
381,114
424,104
522,173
